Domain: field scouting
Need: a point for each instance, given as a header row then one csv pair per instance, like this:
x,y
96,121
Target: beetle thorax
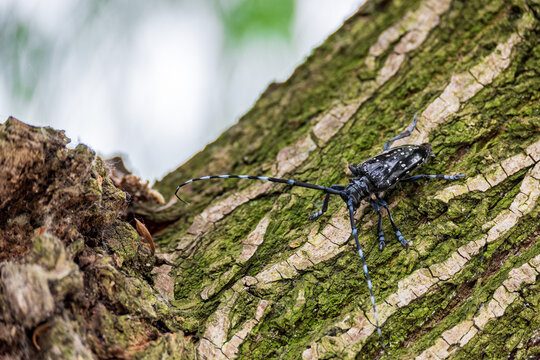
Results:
x,y
358,189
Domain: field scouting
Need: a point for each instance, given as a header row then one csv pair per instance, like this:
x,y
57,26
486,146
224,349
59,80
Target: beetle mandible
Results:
x,y
371,178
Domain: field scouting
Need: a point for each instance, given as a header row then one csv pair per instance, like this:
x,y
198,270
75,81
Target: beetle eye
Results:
x,y
428,147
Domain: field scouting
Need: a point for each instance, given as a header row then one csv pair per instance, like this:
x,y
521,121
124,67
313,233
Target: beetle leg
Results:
x,y
323,210
382,242
325,202
398,233
401,136
443,177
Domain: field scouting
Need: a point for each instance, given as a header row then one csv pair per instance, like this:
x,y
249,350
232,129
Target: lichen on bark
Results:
x,y
457,78
75,279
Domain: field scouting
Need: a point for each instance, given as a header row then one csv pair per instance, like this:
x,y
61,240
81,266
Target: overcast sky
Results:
x,y
153,81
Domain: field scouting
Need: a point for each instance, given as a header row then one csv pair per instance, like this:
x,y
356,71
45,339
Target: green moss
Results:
x,y
459,298
170,346
120,335
495,124
512,334
125,243
213,266
242,311
61,340
467,213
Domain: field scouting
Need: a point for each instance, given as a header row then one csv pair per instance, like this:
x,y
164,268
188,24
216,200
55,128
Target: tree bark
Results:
x,y
241,272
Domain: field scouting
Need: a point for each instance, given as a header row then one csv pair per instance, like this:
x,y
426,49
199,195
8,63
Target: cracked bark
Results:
x,y
77,276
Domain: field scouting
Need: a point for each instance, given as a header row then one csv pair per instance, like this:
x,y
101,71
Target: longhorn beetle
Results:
x,y
371,178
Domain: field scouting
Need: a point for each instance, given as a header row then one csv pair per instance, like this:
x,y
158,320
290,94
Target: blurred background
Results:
x,y
153,81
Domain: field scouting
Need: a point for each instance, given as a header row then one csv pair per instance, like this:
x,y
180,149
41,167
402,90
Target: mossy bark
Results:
x,y
253,277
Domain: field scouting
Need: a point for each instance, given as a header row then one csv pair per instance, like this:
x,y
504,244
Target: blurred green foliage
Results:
x,y
245,19
23,56
27,55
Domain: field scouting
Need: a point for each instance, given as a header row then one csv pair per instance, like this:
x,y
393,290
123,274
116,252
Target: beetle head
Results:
x,y
430,152
358,189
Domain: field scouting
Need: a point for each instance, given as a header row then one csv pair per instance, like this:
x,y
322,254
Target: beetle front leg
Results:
x,y
382,242
398,233
442,177
323,210
325,202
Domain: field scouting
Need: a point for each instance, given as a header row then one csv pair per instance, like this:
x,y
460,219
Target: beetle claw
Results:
x,y
402,239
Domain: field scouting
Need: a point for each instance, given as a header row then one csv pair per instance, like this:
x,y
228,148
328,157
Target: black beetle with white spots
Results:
x,y
371,178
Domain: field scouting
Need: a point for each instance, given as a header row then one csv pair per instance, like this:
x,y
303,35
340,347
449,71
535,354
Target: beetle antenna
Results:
x,y
272,179
179,198
366,272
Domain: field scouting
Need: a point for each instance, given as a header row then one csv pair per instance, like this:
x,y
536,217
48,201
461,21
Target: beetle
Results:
x,y
370,179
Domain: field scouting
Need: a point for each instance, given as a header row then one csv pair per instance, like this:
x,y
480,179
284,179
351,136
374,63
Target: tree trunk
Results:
x,y
241,272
